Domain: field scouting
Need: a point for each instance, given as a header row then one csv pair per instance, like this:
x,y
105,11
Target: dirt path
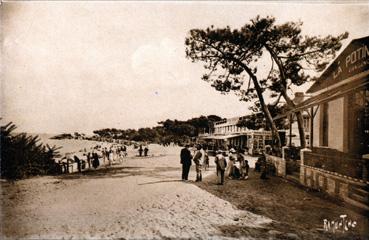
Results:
x,y
297,213
141,199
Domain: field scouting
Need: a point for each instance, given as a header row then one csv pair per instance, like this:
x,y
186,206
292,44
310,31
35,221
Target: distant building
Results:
x,y
226,134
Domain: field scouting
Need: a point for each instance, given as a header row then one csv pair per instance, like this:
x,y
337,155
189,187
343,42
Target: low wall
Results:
x,y
279,164
350,190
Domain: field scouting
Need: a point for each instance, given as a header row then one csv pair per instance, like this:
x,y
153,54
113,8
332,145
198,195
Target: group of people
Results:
x,y
141,150
200,157
114,153
92,159
236,167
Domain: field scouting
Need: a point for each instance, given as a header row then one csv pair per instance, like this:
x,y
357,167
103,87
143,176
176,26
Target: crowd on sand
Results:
x,y
98,155
230,164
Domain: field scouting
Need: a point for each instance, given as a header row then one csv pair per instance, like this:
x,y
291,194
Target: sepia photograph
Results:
x,y
184,120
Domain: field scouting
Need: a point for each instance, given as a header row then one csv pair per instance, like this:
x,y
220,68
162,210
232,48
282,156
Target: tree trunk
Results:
x,y
300,124
264,107
300,120
290,103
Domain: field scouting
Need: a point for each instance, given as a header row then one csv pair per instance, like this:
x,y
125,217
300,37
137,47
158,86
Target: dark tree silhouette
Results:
x,y
232,59
22,155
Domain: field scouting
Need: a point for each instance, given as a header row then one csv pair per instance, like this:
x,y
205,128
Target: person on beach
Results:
x,y
221,165
95,162
198,161
124,150
89,159
186,158
79,164
146,150
105,155
110,158
140,150
65,164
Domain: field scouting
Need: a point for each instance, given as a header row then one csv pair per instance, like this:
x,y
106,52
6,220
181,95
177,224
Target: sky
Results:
x,y
82,66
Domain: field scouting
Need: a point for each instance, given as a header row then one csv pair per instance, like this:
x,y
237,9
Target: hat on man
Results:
x,y
232,150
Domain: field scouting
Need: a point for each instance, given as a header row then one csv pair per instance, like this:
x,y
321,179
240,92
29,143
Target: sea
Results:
x,y
67,145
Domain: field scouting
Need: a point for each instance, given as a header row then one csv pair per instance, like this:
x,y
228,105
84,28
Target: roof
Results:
x,y
351,62
328,96
223,136
250,132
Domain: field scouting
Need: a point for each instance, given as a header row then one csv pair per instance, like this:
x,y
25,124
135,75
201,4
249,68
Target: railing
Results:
x,y
292,153
335,161
292,157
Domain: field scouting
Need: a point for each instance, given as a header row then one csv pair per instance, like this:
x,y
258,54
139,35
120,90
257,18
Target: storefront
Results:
x,y
227,134
338,155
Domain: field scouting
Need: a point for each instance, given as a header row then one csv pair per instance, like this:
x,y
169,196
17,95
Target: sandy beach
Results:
x,y
142,198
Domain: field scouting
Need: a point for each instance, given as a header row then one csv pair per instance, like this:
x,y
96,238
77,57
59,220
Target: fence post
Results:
x,y
302,164
283,169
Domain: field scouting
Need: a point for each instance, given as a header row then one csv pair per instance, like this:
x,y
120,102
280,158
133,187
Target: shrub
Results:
x,y
23,156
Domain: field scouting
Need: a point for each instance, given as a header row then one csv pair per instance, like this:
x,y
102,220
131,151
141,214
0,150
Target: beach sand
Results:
x,y
142,198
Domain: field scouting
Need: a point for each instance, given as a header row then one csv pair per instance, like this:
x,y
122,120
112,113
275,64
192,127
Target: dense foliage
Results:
x,y
167,131
257,120
63,136
236,59
23,156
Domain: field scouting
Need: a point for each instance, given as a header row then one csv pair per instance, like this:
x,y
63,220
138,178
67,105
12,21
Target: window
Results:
x,y
306,124
358,120
324,124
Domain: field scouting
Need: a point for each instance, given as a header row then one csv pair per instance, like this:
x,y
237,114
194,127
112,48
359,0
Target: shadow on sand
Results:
x,y
161,181
104,172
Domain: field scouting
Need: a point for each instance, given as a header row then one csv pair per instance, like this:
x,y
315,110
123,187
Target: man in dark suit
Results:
x,y
186,158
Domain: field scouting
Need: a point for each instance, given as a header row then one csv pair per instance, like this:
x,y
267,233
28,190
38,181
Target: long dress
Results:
x,y
229,170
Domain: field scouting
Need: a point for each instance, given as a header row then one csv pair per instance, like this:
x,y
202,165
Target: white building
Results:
x,y
226,134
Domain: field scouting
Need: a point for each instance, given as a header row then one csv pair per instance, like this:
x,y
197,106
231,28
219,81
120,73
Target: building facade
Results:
x,y
337,161
226,134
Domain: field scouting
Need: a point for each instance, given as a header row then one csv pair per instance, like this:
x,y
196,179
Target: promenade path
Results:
x,y
141,198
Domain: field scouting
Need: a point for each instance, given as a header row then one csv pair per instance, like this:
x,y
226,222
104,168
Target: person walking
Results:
x,y
110,156
140,151
95,162
197,160
221,165
79,164
146,150
104,154
89,160
186,158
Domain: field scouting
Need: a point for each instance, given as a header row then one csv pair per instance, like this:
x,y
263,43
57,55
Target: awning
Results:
x,y
327,96
222,137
